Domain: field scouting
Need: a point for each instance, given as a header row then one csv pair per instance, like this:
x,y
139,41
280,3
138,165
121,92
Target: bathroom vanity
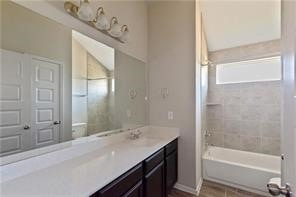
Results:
x,y
114,165
154,176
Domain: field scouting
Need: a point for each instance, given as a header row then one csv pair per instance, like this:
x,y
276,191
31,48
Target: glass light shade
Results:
x,y
102,22
125,35
85,12
115,30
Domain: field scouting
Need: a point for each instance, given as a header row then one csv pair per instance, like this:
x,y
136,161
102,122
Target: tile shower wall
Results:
x,y
100,103
244,116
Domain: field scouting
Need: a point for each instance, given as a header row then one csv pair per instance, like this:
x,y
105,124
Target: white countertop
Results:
x,y
87,173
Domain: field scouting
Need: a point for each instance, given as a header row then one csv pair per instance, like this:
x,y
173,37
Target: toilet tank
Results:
x,y
79,130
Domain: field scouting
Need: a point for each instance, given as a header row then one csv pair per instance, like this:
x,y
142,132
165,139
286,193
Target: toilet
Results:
x,y
79,130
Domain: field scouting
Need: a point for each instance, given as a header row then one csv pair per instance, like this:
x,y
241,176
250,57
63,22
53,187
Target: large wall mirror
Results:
x,y
108,89
58,85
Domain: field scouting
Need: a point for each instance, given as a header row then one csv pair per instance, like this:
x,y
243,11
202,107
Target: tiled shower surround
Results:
x,y
244,116
100,98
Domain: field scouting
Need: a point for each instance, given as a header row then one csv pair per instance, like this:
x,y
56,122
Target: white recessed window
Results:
x,y
265,69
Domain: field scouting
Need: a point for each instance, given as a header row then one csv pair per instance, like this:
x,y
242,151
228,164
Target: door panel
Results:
x,y
45,95
45,102
14,103
10,92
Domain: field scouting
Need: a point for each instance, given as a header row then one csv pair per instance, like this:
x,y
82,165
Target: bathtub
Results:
x,y
245,170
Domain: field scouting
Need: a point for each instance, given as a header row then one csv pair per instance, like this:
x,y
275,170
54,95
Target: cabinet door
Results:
x,y
136,191
154,182
171,170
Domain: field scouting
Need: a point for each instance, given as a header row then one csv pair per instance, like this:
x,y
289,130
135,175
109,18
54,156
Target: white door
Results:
x,y
289,94
45,103
14,103
29,102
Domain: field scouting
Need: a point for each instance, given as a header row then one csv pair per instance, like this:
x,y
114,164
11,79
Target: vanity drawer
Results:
x,y
123,184
171,147
136,191
154,160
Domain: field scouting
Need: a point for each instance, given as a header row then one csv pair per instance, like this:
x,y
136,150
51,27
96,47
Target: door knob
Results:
x,y
26,127
56,122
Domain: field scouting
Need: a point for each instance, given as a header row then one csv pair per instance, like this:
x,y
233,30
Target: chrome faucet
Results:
x,y
206,139
135,134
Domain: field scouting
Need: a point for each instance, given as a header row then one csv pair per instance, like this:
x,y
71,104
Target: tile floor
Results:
x,y
210,189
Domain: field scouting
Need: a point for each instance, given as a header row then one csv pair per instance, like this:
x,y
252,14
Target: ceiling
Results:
x,y
103,53
232,23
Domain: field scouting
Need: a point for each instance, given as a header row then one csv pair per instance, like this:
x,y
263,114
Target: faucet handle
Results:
x,y
133,135
139,132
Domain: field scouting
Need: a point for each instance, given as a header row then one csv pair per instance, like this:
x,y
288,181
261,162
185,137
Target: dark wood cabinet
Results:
x,y
153,177
171,171
123,184
171,147
153,160
154,185
136,191
171,165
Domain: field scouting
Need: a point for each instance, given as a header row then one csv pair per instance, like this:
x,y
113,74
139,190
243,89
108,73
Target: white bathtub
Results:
x,y
241,169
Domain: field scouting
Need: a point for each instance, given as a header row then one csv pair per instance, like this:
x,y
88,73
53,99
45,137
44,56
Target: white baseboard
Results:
x,y
198,188
190,190
185,188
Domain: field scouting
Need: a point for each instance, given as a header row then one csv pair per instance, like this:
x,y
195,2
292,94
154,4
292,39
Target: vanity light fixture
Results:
x,y
99,22
115,28
85,12
125,34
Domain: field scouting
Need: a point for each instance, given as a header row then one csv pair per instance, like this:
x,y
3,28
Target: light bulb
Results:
x,y
101,21
125,34
115,30
85,12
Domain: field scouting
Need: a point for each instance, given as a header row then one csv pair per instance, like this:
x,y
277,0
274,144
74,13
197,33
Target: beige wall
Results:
x,y
129,12
171,59
28,32
231,23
